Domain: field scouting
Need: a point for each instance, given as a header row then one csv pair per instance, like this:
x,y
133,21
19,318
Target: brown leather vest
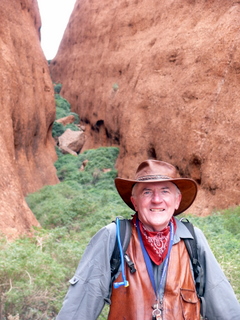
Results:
x,y
135,301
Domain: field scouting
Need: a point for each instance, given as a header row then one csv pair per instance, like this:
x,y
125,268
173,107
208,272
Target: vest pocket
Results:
x,y
189,302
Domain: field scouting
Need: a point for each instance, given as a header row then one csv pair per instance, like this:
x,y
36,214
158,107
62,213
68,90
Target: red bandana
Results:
x,y
155,242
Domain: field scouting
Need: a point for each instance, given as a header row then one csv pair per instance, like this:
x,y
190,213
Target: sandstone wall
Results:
x,y
27,111
161,79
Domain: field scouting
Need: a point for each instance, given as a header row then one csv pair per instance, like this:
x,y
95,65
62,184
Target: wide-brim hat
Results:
x,y
158,171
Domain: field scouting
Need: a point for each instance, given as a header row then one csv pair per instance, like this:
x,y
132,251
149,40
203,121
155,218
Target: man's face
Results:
x,y
155,203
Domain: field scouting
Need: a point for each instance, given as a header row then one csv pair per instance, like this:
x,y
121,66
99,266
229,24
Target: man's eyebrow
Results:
x,y
162,188
145,189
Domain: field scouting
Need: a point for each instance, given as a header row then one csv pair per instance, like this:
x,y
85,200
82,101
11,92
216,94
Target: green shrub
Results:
x,y
62,107
60,205
58,129
57,88
101,158
79,191
68,166
71,126
33,273
63,110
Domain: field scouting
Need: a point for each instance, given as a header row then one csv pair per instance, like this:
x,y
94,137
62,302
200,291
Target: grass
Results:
x,y
224,241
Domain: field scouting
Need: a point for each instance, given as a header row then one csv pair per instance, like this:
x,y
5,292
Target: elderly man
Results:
x,y
163,286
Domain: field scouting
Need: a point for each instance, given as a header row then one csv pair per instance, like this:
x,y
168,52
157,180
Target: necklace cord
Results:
x,y
149,264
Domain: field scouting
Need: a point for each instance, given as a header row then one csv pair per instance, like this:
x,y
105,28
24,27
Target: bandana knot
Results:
x,y
155,242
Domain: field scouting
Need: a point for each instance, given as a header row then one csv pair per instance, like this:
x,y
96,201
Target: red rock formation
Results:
x,y
26,114
161,79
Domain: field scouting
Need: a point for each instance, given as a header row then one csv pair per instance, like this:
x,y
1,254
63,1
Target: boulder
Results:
x,y
66,120
73,140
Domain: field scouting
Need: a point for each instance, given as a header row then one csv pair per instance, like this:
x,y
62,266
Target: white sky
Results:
x,y
55,15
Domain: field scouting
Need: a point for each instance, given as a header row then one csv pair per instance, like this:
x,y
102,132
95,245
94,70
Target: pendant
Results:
x,y
157,314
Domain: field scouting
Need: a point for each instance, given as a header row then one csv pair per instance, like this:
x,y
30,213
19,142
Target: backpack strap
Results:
x,y
125,235
191,246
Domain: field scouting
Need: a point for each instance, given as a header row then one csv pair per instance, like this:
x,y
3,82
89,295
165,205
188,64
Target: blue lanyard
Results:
x,y
149,264
124,282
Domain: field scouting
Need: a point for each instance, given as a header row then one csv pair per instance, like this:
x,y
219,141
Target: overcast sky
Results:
x,y
54,15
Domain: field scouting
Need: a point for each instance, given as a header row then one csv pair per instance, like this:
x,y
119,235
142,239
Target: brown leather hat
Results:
x,y
158,171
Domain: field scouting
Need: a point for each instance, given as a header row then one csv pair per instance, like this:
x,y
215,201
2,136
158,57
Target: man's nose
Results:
x,y
157,197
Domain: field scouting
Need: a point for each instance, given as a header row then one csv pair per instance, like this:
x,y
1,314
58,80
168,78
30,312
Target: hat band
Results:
x,y
153,177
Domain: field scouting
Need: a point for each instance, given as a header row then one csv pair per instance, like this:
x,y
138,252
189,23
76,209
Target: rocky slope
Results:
x,y
160,79
26,113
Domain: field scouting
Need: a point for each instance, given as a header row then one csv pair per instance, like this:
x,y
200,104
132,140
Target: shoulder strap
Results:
x,y
191,245
125,235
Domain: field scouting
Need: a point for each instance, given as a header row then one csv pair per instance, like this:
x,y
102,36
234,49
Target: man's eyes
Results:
x,y
165,191
150,192
147,192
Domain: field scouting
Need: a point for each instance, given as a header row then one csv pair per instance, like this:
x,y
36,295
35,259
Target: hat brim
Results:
x,y
188,188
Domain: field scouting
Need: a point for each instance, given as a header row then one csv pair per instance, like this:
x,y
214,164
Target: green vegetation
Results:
x,y
63,109
57,88
58,129
77,198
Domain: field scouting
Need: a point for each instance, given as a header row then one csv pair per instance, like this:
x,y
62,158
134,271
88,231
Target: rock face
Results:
x,y
161,79
27,112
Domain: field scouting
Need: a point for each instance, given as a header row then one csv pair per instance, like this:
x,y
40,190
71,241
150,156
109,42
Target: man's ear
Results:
x,y
134,203
179,198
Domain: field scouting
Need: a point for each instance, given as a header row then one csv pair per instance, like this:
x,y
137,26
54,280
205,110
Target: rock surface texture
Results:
x,y
27,111
161,79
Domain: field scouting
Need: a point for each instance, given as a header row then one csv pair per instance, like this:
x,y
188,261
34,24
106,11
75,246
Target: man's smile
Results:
x,y
156,210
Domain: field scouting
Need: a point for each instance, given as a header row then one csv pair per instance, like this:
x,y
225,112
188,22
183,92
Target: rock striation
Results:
x,y
161,80
27,112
